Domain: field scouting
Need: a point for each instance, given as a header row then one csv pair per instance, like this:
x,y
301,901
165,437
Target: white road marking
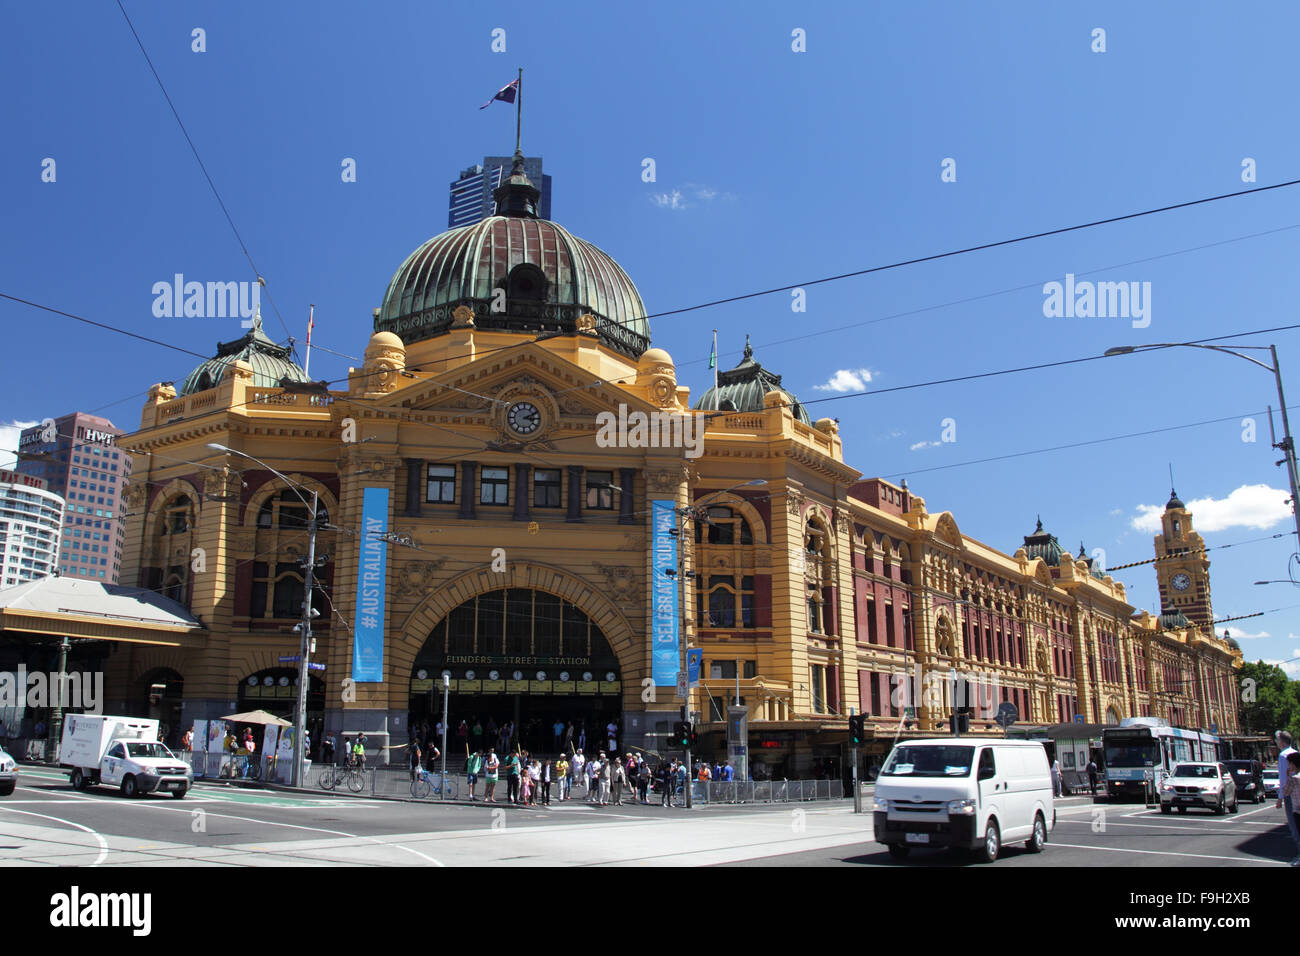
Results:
x,y
1195,856
103,844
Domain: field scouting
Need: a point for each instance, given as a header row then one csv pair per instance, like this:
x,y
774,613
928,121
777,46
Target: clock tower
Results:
x,y
1181,567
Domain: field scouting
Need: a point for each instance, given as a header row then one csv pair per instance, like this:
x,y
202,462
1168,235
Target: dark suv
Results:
x,y
1248,775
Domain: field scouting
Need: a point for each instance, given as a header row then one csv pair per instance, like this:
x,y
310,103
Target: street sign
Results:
x,y
1078,718
694,658
1008,714
681,686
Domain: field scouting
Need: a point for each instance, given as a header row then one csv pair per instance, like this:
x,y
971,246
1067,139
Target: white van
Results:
x,y
964,792
121,752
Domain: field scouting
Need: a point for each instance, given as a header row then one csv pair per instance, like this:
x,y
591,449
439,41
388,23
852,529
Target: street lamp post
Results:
x,y
1286,445
304,627
446,691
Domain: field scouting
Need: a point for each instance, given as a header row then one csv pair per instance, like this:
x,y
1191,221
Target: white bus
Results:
x,y
1142,751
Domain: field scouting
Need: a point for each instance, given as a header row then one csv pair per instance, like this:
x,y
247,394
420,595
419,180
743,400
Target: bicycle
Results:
x,y
425,784
353,774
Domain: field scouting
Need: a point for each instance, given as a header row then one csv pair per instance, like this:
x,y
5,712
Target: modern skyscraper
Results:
x,y
471,195
84,466
31,518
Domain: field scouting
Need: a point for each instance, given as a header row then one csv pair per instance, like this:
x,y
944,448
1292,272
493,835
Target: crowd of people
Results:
x,y
602,780
474,734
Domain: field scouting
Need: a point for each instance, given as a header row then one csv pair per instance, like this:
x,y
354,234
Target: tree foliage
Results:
x,y
1276,703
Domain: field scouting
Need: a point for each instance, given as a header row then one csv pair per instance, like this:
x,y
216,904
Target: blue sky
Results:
x,y
773,167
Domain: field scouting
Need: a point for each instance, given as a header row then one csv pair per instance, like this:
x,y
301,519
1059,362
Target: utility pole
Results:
x,y
446,691
1287,445
56,718
304,648
853,751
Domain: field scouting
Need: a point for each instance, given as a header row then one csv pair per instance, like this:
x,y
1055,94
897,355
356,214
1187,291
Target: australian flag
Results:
x,y
506,93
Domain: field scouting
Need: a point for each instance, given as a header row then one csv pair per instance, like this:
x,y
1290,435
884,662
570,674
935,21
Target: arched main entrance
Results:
x,y
521,657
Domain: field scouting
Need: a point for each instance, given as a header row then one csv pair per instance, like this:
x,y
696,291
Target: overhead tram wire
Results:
x,y
934,257
257,274
1079,444
786,288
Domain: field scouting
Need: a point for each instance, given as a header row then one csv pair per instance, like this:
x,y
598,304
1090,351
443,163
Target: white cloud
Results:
x,y
677,198
672,200
1290,668
1250,506
1240,635
924,444
9,441
1116,512
846,380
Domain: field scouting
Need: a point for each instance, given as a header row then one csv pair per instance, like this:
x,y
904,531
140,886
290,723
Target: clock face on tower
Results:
x,y
524,418
1181,582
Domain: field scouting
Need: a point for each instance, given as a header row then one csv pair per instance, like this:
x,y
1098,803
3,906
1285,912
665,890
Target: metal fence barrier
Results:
x,y
267,768
765,791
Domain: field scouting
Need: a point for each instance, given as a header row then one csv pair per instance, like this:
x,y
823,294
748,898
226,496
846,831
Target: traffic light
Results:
x,y
682,734
857,728
692,737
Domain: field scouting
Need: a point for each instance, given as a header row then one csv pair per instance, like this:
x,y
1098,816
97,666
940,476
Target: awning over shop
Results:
x,y
58,607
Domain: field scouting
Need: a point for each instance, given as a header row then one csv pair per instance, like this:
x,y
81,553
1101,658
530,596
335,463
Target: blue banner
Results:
x,y
665,646
372,575
694,658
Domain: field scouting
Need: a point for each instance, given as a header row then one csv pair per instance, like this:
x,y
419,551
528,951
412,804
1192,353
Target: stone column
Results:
x,y
468,474
521,492
627,500
575,493
414,475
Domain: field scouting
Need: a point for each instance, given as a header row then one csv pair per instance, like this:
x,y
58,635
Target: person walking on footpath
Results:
x,y
643,780
619,780
1056,777
512,778
414,748
1289,795
547,778
491,767
593,771
577,771
1284,750
666,777
472,767
561,772
606,777
1092,776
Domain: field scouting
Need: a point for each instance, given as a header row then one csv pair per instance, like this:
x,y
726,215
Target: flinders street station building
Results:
x,y
513,489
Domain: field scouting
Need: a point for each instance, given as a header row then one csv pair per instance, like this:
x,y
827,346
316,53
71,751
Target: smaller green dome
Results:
x,y
742,388
1042,544
271,363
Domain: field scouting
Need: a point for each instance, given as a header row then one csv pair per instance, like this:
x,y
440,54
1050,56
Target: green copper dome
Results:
x,y
271,363
742,388
1043,545
518,273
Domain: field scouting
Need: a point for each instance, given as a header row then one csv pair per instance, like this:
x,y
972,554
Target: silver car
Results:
x,y
1270,783
1207,785
8,774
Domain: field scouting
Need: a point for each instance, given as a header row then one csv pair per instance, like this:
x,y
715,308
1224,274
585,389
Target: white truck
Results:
x,y
121,752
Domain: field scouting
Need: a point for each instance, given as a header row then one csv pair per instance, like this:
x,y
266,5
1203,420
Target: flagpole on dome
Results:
x,y
713,360
311,323
519,110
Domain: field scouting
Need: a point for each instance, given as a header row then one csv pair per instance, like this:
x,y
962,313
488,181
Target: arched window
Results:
x,y
725,527
173,542
814,610
287,510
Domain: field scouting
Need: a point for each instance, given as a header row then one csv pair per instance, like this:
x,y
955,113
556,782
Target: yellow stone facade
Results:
x,y
824,589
